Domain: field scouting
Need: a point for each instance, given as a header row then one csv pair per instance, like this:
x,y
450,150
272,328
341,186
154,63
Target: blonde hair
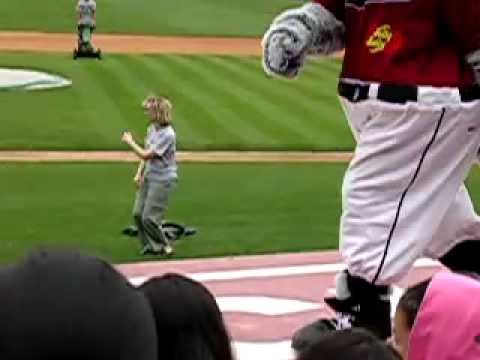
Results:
x,y
160,108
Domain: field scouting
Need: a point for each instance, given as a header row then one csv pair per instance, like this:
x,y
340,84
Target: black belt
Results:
x,y
397,94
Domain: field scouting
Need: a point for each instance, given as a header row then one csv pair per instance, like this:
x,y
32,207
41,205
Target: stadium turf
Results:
x,y
180,17
221,103
237,208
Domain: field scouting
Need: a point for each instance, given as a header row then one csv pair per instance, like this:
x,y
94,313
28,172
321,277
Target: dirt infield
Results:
x,y
183,156
133,44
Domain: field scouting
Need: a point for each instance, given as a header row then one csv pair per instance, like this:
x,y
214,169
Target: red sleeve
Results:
x,y
336,7
462,18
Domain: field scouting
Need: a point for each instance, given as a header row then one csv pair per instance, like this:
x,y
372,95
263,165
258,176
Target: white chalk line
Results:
x,y
271,306
269,272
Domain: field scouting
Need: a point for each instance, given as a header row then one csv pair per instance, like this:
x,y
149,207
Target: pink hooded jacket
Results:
x,y
447,326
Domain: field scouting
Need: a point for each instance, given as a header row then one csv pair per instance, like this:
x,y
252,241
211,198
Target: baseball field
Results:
x,y
223,101
181,17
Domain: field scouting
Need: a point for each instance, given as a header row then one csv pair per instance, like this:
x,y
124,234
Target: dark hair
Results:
x,y
61,305
411,300
350,344
189,322
470,274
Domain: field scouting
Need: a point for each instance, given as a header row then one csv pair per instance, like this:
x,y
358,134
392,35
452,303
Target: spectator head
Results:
x,y
59,305
405,315
190,325
448,322
351,344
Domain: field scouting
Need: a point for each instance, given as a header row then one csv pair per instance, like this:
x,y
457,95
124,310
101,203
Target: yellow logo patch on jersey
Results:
x,y
380,39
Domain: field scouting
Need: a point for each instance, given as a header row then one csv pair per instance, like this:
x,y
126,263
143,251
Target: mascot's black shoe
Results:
x,y
373,316
308,334
358,304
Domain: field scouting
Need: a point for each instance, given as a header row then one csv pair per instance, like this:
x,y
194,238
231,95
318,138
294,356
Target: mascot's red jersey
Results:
x,y
409,42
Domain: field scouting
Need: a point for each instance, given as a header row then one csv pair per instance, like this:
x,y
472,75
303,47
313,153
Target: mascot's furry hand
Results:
x,y
296,33
284,51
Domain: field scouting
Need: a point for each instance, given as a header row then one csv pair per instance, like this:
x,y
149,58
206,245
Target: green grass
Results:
x,y
238,209
221,103
180,17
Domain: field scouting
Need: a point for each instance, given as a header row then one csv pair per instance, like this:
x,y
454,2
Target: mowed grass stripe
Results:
x,y
109,102
220,121
144,83
213,92
260,112
237,208
270,96
134,92
221,103
315,92
249,112
153,82
95,131
189,110
302,112
295,86
180,17
118,97
65,118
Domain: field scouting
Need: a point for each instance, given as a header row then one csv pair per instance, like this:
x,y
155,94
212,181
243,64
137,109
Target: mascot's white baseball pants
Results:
x,y
403,193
